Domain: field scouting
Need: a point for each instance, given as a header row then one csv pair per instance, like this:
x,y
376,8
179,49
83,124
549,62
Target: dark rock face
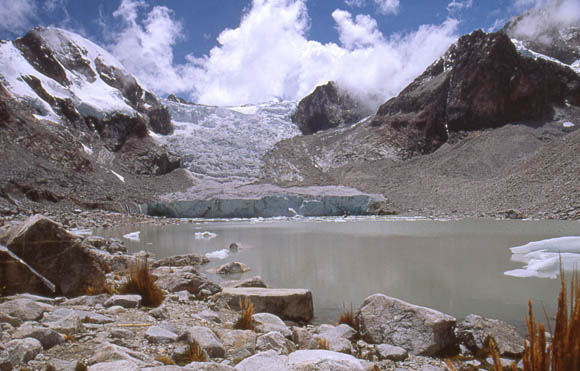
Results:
x,y
115,130
56,255
481,82
327,107
16,276
160,121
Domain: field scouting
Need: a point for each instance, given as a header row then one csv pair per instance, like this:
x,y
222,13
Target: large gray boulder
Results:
x,y
475,330
420,330
184,278
16,276
56,255
289,304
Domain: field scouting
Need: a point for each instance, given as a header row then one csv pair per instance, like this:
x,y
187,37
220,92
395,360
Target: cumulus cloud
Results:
x,y
17,15
383,6
268,56
547,16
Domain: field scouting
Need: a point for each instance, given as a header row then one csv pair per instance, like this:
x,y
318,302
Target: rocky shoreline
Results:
x,y
111,331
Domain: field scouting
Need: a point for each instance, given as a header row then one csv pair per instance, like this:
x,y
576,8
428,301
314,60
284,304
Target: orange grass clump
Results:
x,y
322,343
244,322
563,354
347,317
141,282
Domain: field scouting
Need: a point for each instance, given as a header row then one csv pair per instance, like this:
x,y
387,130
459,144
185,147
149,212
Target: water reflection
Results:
x,y
456,267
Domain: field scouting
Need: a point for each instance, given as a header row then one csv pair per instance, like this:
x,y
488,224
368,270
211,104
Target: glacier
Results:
x,y
543,258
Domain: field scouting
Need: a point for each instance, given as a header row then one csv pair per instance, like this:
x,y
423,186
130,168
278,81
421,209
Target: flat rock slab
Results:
x,y
474,331
125,301
289,304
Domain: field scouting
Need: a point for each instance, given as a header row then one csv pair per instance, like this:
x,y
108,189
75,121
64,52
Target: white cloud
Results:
x,y
17,15
383,6
456,5
269,56
554,14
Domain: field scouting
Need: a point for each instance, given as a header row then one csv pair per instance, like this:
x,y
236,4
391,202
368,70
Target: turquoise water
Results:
x,y
456,267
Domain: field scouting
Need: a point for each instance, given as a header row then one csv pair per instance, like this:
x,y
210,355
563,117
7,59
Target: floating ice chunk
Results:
x,y
542,258
80,232
568,124
134,236
205,235
121,178
219,254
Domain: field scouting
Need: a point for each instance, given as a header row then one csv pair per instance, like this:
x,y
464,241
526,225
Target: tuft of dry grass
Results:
x,y
450,365
69,337
81,367
347,317
563,354
244,321
166,360
141,282
194,353
107,289
322,343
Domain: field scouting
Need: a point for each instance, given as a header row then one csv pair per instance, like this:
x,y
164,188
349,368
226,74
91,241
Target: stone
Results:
x,y
7,318
158,335
121,333
115,309
25,309
338,338
232,268
393,353
181,261
125,301
209,366
239,344
88,300
303,338
69,324
304,360
20,351
47,337
85,316
255,281
266,322
264,361
275,341
328,107
182,354
209,315
419,330
207,339
56,255
17,276
288,304
107,352
475,330
122,365
184,278
160,313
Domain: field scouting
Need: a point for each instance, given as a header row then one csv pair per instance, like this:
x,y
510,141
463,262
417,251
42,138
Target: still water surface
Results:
x,y
456,267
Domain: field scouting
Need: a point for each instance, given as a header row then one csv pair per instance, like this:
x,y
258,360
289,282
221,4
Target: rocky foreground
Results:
x,y
48,322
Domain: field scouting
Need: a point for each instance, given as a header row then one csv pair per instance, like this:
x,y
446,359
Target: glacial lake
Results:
x,y
456,267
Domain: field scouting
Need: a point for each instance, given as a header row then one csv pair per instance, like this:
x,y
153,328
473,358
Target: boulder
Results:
x,y
303,338
207,339
157,335
303,360
338,338
232,268
239,344
474,332
255,281
184,278
419,330
107,352
275,341
47,337
16,276
125,301
25,309
57,255
20,351
121,365
69,324
327,107
180,261
393,353
266,322
288,304
264,361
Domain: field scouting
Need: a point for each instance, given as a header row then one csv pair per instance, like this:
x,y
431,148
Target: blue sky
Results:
x,y
274,49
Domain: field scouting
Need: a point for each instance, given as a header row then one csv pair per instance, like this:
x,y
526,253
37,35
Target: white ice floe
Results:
x,y
134,236
121,178
219,254
205,235
542,258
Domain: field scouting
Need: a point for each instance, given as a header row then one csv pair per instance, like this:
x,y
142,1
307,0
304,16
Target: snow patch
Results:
x,y
87,149
205,235
134,236
542,258
121,178
219,254
80,232
568,124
